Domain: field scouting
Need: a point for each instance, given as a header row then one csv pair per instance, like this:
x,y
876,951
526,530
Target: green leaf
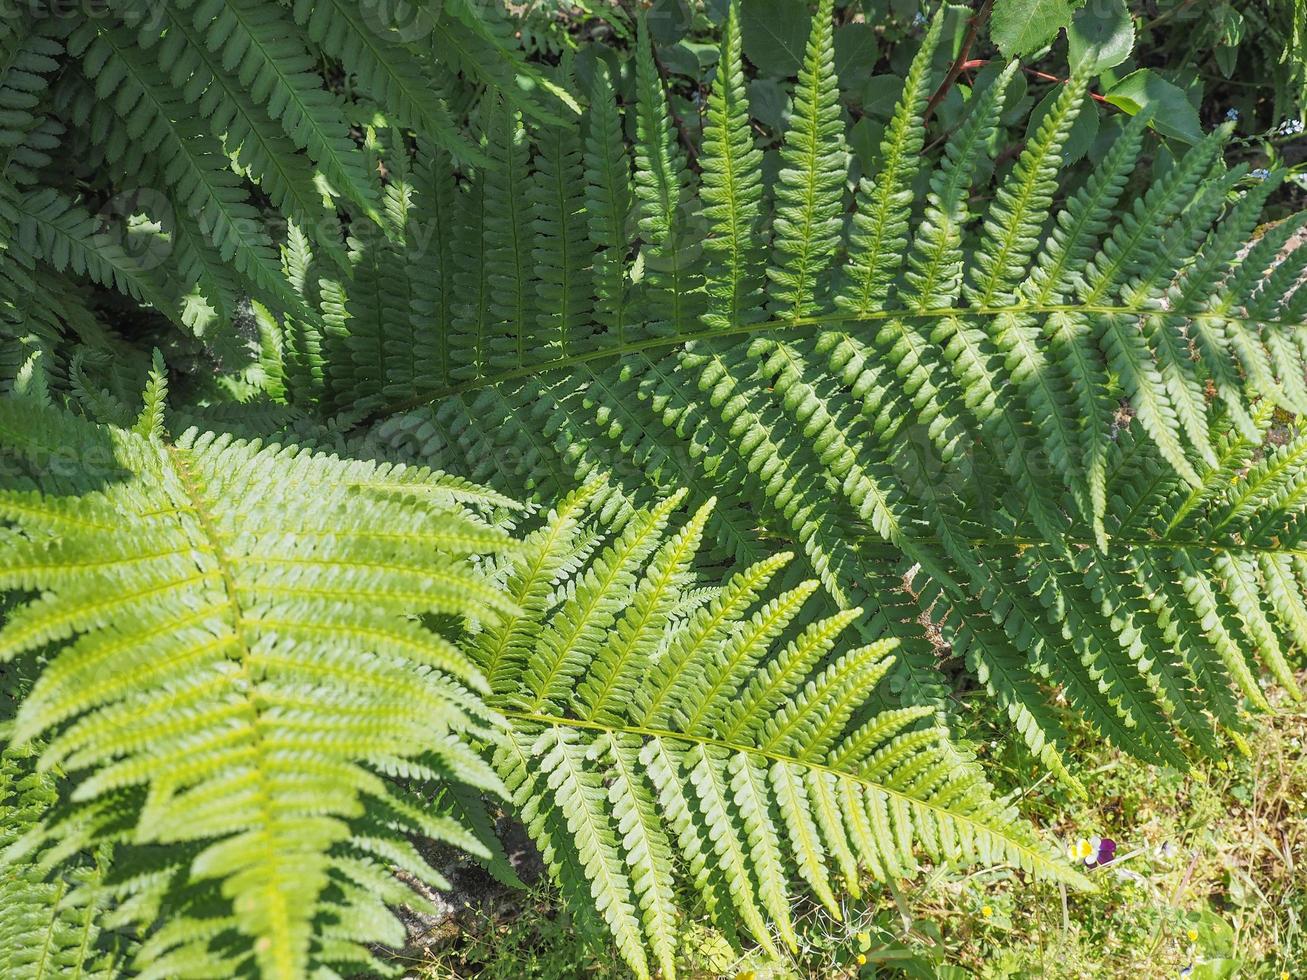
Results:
x,y
775,33
1173,114
1218,969
669,20
1101,36
864,141
856,52
1024,26
769,103
881,94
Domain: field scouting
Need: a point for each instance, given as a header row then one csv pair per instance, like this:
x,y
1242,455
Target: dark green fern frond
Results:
x,y
665,205
561,251
29,51
512,299
52,228
938,393
387,71
219,124
165,138
253,48
608,203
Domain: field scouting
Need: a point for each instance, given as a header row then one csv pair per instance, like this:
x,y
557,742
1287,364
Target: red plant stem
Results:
x,y
973,29
1043,76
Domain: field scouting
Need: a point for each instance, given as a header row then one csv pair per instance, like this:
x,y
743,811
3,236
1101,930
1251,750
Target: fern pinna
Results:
x,y
933,387
48,928
658,733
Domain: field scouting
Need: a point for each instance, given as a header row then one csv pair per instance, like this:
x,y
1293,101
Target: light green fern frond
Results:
x,y
810,191
649,747
235,666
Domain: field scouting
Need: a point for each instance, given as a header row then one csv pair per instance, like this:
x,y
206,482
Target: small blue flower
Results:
x,y
1261,173
1290,127
1232,115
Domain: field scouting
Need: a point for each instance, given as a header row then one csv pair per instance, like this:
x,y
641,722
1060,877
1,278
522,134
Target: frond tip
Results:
x,y
731,749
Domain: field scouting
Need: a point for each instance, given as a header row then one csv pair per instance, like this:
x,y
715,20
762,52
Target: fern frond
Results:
x,y
234,667
479,38
662,193
55,229
767,770
512,307
1031,403
810,190
29,51
732,189
387,71
256,50
48,928
878,233
187,160
954,393
609,199
560,253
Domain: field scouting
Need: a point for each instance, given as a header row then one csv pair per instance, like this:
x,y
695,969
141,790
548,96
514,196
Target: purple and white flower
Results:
x,y
1092,851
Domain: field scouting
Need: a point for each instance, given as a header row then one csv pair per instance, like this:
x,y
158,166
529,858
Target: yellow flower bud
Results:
x,y
986,911
862,959
1193,935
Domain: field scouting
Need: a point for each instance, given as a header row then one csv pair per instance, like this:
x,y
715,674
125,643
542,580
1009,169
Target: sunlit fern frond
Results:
x,y
232,662
727,746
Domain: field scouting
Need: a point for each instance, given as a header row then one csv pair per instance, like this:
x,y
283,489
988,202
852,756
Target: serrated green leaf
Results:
x,y
1173,114
1021,27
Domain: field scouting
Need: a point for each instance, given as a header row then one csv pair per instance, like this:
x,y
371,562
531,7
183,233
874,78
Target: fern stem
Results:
x,y
803,323
973,30
554,721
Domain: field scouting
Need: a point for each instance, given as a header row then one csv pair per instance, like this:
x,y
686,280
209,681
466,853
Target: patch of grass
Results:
x,y
1210,875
